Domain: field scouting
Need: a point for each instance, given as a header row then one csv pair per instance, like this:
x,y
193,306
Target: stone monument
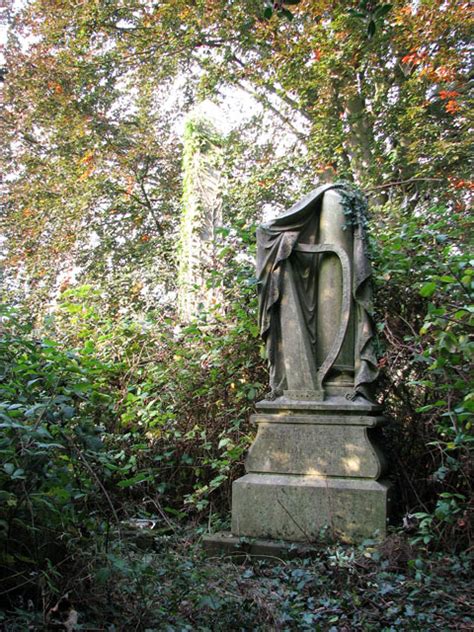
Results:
x,y
315,461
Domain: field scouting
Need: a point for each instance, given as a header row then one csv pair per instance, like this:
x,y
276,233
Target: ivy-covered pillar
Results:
x,y
201,216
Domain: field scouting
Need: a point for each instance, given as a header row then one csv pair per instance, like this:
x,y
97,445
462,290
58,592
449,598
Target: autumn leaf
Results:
x,y
452,106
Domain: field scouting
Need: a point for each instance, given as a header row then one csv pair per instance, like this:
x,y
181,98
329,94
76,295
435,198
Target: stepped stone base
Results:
x,y
313,465
296,508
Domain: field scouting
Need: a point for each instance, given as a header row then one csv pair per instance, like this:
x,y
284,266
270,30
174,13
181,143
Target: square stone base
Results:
x,y
296,508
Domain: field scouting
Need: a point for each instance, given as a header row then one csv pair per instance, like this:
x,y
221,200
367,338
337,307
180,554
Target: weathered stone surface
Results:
x,y
315,310
313,450
333,230
297,351
333,404
225,544
325,420
315,461
295,508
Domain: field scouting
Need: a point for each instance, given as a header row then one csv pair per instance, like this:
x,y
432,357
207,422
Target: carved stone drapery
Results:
x,y
315,297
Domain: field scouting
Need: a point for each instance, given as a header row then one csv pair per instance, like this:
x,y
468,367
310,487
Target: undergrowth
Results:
x,y
170,586
110,416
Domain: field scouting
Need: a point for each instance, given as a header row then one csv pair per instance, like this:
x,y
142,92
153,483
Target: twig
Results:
x,y
163,514
246,554
402,182
96,478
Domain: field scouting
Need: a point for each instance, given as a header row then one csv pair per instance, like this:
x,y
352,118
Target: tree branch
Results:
x,y
261,98
402,182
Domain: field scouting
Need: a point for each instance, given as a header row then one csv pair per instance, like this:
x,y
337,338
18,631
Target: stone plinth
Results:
x,y
296,508
313,465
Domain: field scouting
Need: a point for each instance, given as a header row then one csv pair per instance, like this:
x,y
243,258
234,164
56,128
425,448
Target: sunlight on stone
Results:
x,y
314,472
351,464
281,457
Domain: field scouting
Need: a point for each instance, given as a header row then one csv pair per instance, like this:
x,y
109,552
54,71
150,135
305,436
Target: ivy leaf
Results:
x,y
9,468
68,412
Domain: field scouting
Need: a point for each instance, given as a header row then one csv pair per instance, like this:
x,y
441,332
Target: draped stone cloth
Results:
x,y
277,260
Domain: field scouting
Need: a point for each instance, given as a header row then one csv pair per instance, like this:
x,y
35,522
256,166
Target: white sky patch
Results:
x,y
235,107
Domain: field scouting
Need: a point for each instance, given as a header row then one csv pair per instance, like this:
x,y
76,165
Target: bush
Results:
x,y
53,408
425,290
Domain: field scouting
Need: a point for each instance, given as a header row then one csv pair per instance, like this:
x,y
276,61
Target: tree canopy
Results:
x,y
375,93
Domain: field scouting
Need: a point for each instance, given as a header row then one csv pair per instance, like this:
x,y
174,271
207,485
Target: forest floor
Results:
x,y
165,583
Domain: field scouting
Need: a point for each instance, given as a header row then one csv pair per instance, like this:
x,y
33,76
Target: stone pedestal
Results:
x,y
313,465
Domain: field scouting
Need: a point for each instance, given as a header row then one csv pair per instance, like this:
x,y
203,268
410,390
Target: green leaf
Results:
x,y
371,27
267,13
381,11
287,14
356,14
428,289
102,575
68,412
139,478
9,468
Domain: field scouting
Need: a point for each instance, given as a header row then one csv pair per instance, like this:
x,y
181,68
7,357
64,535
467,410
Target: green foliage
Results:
x,y
184,393
425,279
53,406
139,411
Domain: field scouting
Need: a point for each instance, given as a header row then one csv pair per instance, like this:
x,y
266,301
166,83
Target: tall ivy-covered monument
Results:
x,y
315,461
201,216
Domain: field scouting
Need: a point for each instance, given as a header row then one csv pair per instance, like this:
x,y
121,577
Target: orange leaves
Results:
x,y
87,173
327,169
448,94
440,74
88,160
452,106
403,14
57,87
414,57
185,13
445,73
458,183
